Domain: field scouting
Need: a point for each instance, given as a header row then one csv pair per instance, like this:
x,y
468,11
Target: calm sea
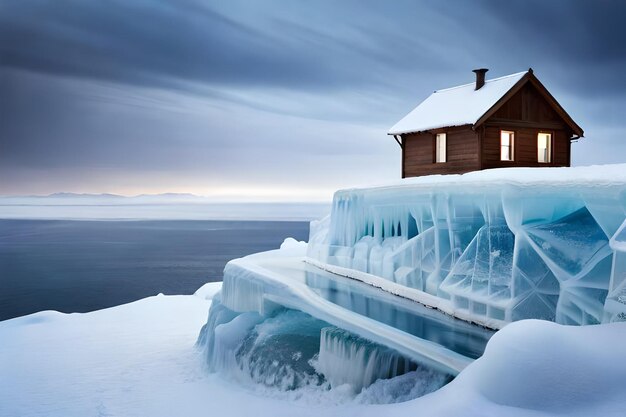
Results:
x,y
79,266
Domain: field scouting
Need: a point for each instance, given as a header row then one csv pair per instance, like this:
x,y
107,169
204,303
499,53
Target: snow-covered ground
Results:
x,y
140,359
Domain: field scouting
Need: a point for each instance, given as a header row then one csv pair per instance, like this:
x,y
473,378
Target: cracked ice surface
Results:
x,y
493,246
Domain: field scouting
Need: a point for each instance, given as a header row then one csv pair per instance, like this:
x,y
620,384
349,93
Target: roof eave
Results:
x,y
428,129
576,129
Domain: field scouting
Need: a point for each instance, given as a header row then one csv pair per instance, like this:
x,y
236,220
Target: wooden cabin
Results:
x,y
511,121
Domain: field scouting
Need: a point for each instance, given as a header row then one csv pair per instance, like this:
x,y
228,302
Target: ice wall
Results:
x,y
251,291
497,246
290,350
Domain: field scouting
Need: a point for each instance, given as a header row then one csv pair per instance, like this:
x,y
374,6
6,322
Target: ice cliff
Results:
x,y
488,248
491,246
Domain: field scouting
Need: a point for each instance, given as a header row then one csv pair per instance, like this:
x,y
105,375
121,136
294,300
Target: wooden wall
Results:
x,y
526,113
524,148
418,153
528,105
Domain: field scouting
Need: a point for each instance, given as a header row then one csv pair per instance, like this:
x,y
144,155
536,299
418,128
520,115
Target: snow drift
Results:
x,y
138,360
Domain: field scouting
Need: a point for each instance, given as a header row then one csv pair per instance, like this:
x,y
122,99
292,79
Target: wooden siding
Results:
x,y
462,152
528,105
524,148
526,113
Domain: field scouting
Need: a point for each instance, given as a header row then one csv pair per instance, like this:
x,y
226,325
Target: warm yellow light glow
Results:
x,y
506,145
440,148
544,147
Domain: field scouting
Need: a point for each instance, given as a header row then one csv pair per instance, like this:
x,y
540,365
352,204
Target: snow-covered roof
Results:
x,y
456,106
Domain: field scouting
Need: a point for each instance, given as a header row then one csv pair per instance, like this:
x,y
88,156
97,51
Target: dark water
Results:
x,y
79,266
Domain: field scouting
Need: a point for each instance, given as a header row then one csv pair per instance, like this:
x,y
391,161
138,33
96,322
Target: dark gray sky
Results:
x,y
274,99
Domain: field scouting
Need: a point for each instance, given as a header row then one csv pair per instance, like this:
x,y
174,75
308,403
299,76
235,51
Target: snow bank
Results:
x,y
543,366
583,376
139,360
208,290
131,360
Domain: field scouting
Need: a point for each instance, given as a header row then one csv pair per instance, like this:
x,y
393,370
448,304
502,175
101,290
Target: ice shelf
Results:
x,y
489,247
352,322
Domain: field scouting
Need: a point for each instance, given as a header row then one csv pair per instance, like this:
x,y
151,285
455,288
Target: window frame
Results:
x,y
511,145
445,148
550,144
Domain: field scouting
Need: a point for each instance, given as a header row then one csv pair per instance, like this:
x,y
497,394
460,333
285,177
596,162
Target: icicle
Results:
x,y
348,359
564,227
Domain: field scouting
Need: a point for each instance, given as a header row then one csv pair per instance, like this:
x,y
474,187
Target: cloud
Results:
x,y
321,45
165,43
77,133
104,96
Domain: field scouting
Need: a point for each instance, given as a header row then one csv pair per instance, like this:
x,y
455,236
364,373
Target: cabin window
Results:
x,y
544,148
440,147
506,145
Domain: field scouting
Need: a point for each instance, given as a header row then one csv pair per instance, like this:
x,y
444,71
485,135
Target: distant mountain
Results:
x,y
81,195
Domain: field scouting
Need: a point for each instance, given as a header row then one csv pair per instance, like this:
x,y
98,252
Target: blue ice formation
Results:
x,y
281,322
288,350
491,247
488,248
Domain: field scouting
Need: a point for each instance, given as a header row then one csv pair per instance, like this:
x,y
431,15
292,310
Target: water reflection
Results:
x,y
429,324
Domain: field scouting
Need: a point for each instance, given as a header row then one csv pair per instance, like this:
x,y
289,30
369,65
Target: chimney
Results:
x,y
480,77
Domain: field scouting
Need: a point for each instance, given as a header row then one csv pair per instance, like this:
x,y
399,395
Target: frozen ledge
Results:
x,y
495,246
251,285
428,300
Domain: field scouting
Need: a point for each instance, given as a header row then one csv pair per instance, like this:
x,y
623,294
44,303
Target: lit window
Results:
x,y
506,145
440,148
544,147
